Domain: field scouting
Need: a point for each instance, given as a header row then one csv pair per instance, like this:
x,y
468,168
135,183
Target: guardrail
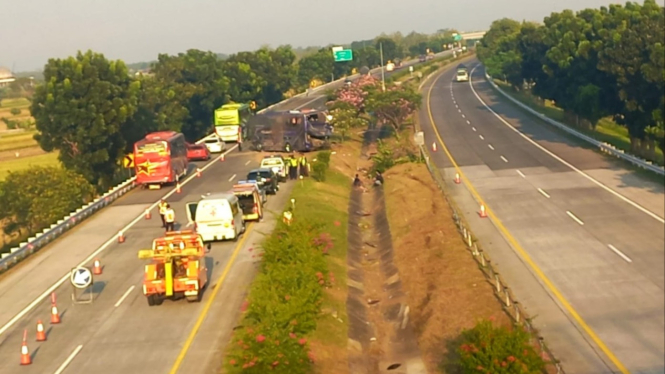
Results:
x,y
510,305
604,147
35,243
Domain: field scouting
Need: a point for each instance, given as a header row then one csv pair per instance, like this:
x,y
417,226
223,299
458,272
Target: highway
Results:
x,y
118,332
578,237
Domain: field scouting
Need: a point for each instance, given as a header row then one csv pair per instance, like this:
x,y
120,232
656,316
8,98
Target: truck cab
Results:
x,y
177,268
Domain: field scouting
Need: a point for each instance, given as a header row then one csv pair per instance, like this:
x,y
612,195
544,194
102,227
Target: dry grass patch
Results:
x,y
446,289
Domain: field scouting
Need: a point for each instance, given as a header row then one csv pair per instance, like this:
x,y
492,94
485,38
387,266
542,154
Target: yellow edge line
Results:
x,y
206,308
519,248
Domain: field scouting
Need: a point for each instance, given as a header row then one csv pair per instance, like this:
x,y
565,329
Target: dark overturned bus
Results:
x,y
289,131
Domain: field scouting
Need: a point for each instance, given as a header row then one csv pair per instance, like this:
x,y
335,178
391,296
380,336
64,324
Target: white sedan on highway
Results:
x,y
215,145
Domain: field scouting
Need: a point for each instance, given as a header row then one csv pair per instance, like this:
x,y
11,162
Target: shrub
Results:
x,y
15,111
319,170
490,349
275,352
324,157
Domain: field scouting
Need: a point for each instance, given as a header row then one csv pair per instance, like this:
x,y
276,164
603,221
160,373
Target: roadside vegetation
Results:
x,y
41,127
597,70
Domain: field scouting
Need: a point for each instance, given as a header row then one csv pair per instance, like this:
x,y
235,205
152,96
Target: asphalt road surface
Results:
x,y
577,235
118,332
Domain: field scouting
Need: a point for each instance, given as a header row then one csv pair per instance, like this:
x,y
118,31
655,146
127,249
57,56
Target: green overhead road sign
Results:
x,y
457,37
343,55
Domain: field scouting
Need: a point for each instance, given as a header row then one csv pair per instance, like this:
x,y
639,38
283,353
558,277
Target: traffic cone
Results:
x,y
222,157
198,172
457,178
121,237
97,267
434,147
41,334
148,215
177,188
55,317
483,213
25,353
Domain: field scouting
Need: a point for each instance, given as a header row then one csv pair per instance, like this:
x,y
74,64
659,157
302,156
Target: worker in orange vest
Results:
x,y
169,217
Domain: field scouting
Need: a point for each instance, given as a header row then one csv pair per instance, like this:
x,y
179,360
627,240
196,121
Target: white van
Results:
x,y
217,217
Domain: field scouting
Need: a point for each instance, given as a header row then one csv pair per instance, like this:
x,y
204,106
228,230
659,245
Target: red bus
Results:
x,y
160,157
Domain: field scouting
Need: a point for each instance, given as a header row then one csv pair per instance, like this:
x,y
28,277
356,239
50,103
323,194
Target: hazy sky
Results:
x,y
31,31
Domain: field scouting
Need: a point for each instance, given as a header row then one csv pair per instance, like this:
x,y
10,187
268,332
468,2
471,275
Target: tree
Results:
x,y
393,106
35,198
391,50
83,110
316,66
345,119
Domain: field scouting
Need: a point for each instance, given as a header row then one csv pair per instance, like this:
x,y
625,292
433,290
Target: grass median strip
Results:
x,y
285,327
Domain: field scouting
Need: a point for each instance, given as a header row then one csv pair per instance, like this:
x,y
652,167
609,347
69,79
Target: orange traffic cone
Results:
x,y
148,215
483,213
177,188
97,267
25,353
434,147
222,157
198,172
55,317
41,334
458,180
121,237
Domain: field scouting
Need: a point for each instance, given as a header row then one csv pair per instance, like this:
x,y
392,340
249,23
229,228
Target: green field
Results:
x,y
23,163
14,103
15,141
606,131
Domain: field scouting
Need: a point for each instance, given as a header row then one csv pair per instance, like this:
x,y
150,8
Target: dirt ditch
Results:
x,y
381,338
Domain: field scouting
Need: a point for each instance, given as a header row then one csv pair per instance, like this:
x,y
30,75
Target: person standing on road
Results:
x,y
169,217
162,210
293,171
304,166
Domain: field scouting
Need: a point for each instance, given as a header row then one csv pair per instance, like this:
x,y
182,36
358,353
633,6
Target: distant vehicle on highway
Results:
x,y
197,152
422,58
231,121
215,145
266,179
462,74
159,158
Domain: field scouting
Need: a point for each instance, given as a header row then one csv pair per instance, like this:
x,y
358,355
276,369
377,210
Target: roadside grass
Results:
x,y
19,140
14,103
606,131
48,159
327,203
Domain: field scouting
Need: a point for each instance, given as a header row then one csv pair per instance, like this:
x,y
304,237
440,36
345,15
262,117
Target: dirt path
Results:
x,y
381,338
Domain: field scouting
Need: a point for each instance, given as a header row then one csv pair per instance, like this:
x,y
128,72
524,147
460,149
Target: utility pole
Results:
x,y
383,76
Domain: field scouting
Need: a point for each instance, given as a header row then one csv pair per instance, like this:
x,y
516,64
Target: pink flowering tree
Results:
x,y
355,94
393,106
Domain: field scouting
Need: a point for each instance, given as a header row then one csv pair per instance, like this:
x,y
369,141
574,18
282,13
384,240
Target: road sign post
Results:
x,y
81,280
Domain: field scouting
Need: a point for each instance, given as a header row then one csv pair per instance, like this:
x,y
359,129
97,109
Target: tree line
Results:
x,y
595,63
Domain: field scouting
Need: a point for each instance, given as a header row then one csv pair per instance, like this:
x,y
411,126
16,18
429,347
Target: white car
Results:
x,y
462,76
277,164
215,145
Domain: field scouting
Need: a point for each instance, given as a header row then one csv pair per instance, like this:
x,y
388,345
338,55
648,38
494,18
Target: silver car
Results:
x,y
215,145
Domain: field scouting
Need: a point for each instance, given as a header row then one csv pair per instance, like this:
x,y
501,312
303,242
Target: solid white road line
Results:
x,y
504,159
481,137
521,174
619,253
544,193
124,296
620,196
69,360
307,103
489,145
571,215
232,177
99,250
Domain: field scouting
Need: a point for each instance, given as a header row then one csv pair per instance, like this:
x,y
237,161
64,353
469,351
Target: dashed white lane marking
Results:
x,y
247,163
69,360
473,128
481,137
571,215
504,159
124,296
521,174
459,110
468,122
489,145
543,193
613,248
232,177
463,116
